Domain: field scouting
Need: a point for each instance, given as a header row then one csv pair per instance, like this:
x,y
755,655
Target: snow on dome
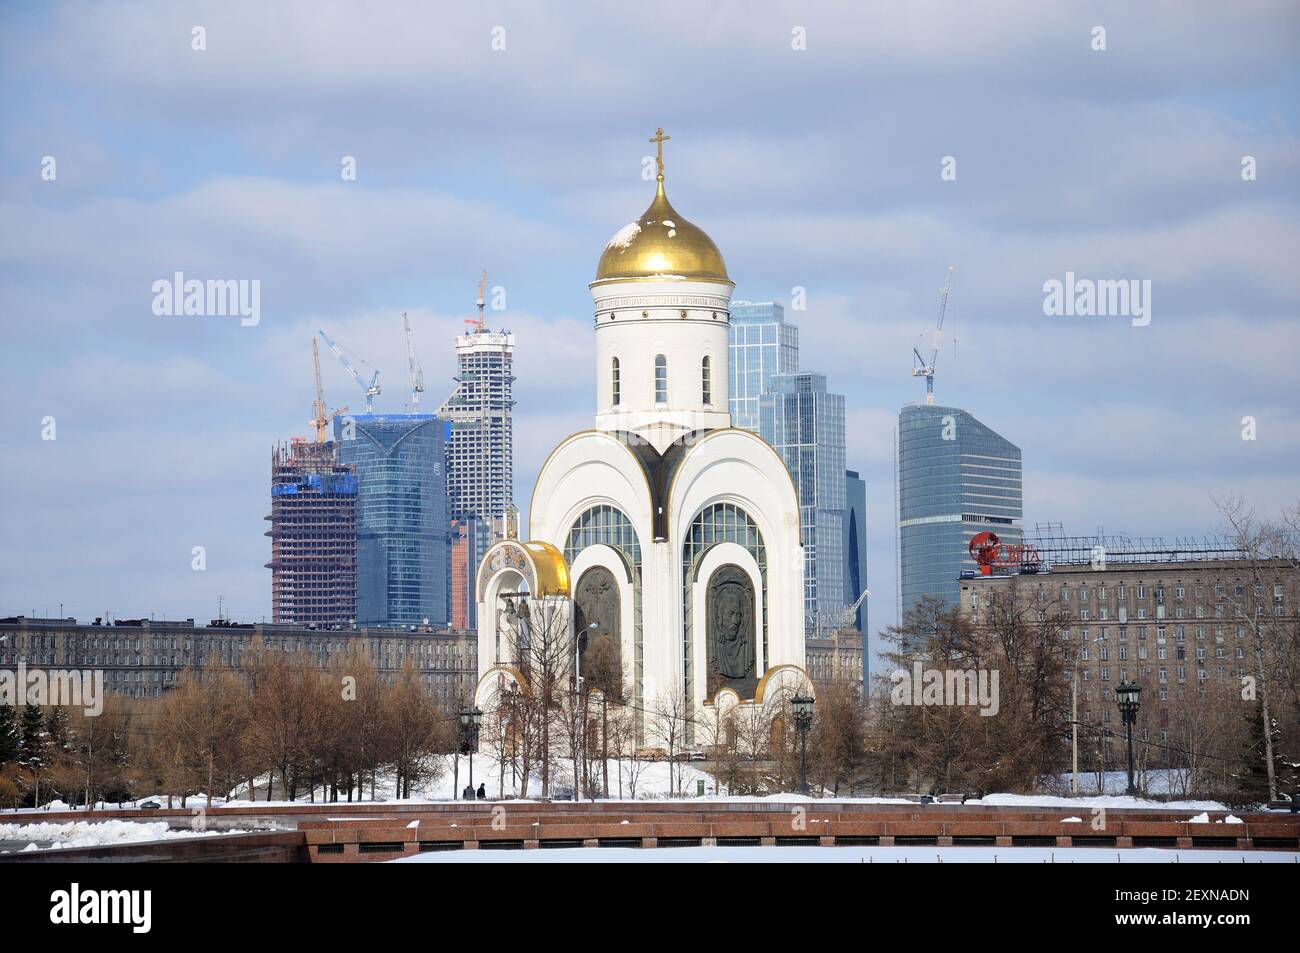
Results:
x,y
625,235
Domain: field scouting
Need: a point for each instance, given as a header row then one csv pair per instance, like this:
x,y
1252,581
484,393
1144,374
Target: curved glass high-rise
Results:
x,y
956,477
402,527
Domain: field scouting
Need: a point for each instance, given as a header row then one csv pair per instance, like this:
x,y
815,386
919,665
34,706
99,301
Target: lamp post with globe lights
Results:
x,y
802,706
1126,696
470,719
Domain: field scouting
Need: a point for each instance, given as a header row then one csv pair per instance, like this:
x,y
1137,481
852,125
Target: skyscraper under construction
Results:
x,y
480,453
313,536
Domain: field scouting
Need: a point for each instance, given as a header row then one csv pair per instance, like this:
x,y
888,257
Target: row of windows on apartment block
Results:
x,y
1220,610
1162,653
1162,674
156,687
46,644
1157,593
231,661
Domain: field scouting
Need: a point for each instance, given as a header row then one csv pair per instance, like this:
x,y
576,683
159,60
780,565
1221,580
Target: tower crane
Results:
x,y
417,373
851,611
920,366
319,418
479,323
372,389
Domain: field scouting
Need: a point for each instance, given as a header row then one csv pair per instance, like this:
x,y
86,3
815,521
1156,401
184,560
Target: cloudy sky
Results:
x,y
817,168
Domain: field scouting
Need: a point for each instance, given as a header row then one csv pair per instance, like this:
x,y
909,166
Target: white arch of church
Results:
x,y
493,642
568,480
724,467
493,684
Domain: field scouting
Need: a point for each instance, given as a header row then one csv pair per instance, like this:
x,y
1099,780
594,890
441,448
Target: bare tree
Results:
x,y
1271,560
1206,735
719,737
960,746
669,717
418,730
839,738
625,745
281,716
542,645
763,747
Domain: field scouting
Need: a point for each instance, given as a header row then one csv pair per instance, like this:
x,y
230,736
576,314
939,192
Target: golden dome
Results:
x,y
661,243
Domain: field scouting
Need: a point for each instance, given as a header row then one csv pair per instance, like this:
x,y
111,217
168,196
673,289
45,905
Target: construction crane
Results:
x,y
479,323
372,389
852,610
920,366
319,418
417,373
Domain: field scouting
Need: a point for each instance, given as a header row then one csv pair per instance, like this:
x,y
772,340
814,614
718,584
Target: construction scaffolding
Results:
x,y
313,535
1057,549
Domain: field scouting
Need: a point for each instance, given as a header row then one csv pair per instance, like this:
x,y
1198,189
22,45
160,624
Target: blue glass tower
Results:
x,y
402,527
956,477
805,424
855,555
762,346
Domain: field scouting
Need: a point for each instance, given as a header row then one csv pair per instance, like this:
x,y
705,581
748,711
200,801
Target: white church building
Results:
x,y
662,528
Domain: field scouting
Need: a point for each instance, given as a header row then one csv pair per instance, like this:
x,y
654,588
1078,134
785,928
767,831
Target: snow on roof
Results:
x,y
624,236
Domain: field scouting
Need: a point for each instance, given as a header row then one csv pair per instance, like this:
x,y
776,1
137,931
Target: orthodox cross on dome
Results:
x,y
659,139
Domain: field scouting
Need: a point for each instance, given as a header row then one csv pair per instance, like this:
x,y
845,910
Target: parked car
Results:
x,y
150,806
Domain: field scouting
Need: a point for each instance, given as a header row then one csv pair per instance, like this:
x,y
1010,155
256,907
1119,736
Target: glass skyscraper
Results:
x,y
762,346
956,478
805,424
855,555
402,526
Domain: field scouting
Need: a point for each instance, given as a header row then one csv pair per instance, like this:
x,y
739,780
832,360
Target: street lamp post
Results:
x,y
1126,696
1074,719
803,714
470,718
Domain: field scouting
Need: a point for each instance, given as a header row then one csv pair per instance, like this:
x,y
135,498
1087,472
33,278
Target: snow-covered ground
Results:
x,y
1048,800
853,855
51,836
193,802
1160,782
649,780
